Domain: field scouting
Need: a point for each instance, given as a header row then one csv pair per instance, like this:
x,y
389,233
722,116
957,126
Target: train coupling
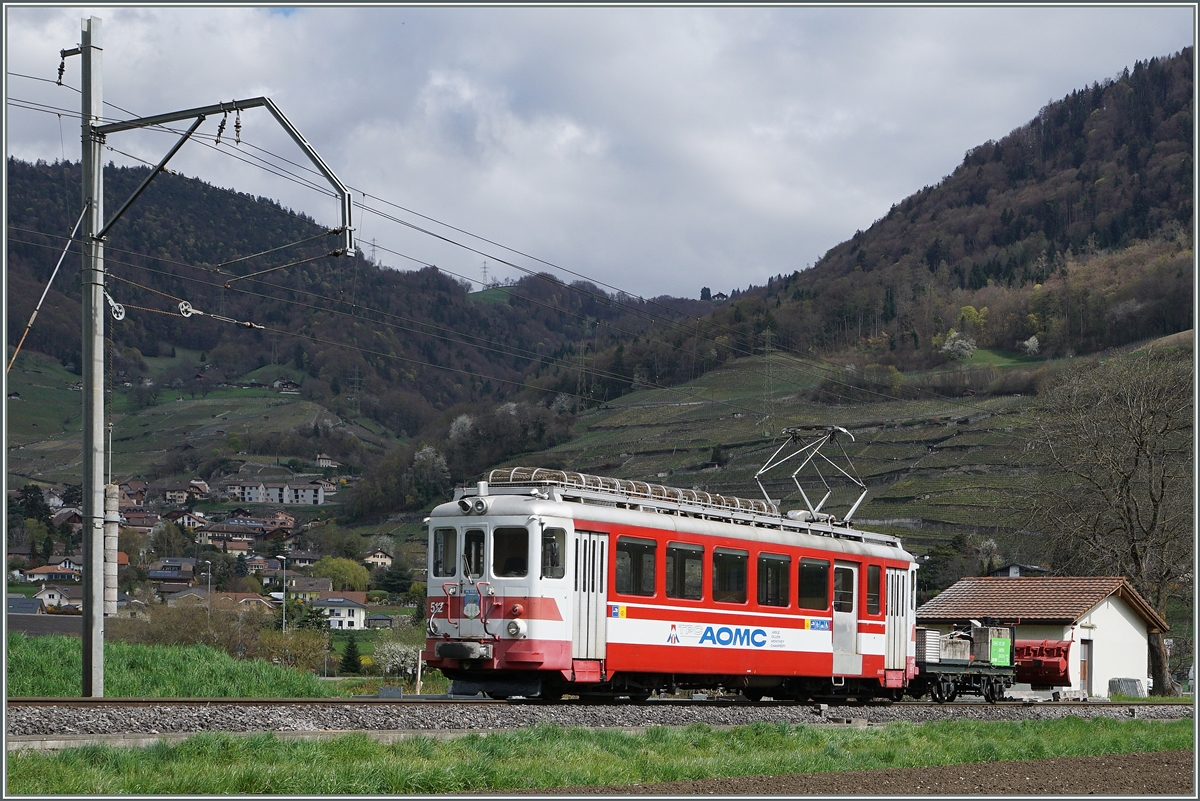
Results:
x,y
463,650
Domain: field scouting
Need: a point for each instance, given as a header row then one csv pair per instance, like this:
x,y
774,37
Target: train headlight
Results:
x,y
517,628
479,506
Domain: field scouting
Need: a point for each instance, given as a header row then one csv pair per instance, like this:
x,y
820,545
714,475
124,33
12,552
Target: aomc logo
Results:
x,y
735,637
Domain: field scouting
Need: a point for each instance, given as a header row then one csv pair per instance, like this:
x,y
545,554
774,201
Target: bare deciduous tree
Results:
x,y
1118,434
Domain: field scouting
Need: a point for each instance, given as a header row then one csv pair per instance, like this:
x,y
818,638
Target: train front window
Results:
x,y
473,553
729,575
685,571
445,552
510,552
773,571
814,584
872,589
635,566
554,545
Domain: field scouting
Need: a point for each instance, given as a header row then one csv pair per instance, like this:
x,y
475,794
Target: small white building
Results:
x,y
1104,618
342,613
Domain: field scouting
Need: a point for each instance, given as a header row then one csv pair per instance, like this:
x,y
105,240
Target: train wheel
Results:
x,y
551,693
753,695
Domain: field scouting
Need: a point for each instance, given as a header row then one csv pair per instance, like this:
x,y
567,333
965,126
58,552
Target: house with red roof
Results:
x,y
1103,617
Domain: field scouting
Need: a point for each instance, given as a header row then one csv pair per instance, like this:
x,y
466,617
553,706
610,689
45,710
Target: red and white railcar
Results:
x,y
544,582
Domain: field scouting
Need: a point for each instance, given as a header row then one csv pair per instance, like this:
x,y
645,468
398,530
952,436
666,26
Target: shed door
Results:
x,y
896,643
590,554
846,658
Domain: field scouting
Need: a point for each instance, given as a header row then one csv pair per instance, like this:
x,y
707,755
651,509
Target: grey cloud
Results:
x,y
656,149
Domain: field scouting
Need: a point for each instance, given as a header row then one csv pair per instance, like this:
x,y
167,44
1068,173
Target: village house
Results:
x,y
323,460
308,588
53,498
285,493
191,595
51,573
358,596
172,570
70,516
378,558
1106,621
186,519
140,521
241,600
59,596
342,613
20,605
132,494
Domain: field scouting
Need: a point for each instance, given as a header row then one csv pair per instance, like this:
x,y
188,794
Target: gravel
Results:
x,y
168,718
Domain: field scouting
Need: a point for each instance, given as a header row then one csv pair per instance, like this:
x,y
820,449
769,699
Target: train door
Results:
x,y
473,589
590,552
896,644
846,657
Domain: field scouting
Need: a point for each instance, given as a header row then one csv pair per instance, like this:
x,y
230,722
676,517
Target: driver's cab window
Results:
x,y
510,552
445,552
473,553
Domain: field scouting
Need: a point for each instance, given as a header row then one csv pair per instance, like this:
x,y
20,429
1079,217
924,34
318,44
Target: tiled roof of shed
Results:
x,y
1034,599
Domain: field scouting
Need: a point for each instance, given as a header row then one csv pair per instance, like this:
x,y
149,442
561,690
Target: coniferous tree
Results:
x,y
351,660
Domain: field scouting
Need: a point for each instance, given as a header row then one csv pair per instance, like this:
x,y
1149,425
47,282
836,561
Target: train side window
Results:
x,y
729,575
685,571
872,589
814,584
473,553
635,565
445,552
554,545
773,572
843,589
510,552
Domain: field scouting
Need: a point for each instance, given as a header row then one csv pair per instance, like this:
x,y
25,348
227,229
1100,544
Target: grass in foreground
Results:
x,y
51,666
549,757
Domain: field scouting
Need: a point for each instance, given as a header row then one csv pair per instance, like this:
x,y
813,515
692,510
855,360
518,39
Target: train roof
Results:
x,y
626,502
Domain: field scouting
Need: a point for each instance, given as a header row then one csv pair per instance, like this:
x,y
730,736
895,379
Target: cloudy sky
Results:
x,y
656,150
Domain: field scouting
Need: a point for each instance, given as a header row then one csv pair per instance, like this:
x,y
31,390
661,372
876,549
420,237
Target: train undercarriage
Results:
x,y
640,686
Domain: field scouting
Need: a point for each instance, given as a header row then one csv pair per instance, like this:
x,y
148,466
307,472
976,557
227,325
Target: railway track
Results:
x,y
101,703
56,723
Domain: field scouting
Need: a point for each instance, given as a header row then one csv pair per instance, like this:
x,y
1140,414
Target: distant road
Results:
x,y
47,624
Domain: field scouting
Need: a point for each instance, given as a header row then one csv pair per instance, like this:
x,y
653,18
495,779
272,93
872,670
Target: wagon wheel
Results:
x,y
949,690
753,695
935,692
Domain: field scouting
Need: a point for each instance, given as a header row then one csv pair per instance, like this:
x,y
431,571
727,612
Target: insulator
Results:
x,y
62,67
221,127
237,128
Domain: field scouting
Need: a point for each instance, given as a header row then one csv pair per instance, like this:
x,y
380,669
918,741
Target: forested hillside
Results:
x,y
418,342
1074,229
1072,234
